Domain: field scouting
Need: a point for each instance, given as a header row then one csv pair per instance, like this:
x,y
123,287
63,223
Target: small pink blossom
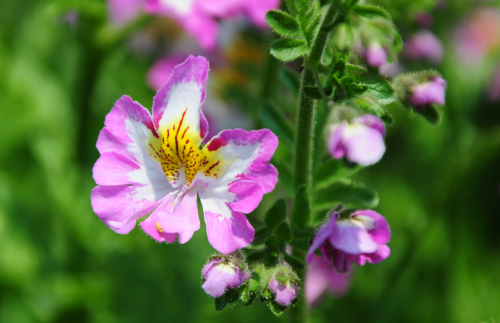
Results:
x,y
154,164
424,45
321,279
285,291
222,274
428,93
198,17
375,55
360,238
360,140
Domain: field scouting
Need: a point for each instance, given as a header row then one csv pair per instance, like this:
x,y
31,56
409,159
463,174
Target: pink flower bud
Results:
x,y
285,290
360,140
432,92
222,274
375,55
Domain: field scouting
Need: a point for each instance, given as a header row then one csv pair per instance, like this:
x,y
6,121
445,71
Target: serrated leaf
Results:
x,y
301,211
296,263
369,11
381,90
333,171
346,193
273,118
291,80
288,49
276,214
283,24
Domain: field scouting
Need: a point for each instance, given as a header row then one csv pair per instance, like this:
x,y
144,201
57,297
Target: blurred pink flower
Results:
x,y
321,279
374,55
432,92
424,45
198,17
478,35
124,11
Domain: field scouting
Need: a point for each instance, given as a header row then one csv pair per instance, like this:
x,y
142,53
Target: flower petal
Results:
x,y
321,278
380,231
381,254
227,230
120,206
248,196
324,232
364,146
352,237
240,155
335,134
129,131
257,9
152,227
181,219
371,121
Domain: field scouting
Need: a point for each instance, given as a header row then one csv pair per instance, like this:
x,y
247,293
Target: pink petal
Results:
x,y
248,196
161,71
334,144
120,206
181,97
352,238
152,227
113,169
371,121
221,8
381,254
179,219
365,147
324,232
380,233
227,234
257,9
124,11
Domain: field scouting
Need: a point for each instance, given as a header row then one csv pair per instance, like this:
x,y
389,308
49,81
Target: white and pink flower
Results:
x,y
360,140
221,274
360,238
156,164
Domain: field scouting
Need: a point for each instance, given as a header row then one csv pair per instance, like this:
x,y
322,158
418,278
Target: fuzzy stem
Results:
x,y
304,141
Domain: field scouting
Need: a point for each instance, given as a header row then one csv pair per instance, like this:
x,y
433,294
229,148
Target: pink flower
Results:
x,y
124,11
285,291
221,274
155,165
162,69
424,45
360,238
361,140
432,92
375,55
198,17
321,279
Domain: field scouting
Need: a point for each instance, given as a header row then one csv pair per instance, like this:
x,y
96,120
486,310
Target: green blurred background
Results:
x,y
438,185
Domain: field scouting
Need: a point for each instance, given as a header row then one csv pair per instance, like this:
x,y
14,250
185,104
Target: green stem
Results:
x,y
304,142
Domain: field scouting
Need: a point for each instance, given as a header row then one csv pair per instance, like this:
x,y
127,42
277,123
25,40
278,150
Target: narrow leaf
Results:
x,y
346,193
288,49
276,214
283,232
296,263
369,11
282,23
273,118
301,212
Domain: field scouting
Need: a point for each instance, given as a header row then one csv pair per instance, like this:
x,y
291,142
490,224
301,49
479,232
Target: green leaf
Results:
x,y
313,28
296,263
301,211
271,241
285,177
256,256
369,11
381,90
276,308
282,23
431,114
283,232
332,171
346,193
291,80
298,7
288,49
276,214
273,118
221,302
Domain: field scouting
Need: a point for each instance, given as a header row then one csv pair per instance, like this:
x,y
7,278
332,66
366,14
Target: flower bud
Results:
x,y
223,273
428,93
360,140
284,286
375,55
